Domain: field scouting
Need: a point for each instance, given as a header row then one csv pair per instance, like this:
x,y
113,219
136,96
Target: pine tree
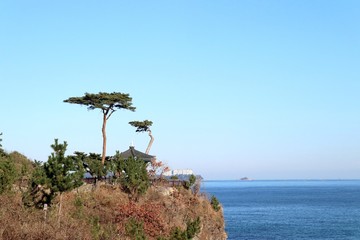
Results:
x,y
108,103
144,126
64,173
135,180
92,164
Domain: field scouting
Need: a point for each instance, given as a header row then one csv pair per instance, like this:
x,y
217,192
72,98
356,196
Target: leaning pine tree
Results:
x,y
144,126
108,103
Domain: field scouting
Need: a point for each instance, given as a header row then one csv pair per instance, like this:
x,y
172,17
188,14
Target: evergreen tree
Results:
x,y
144,126
215,203
39,187
64,173
108,103
92,164
135,179
191,182
59,174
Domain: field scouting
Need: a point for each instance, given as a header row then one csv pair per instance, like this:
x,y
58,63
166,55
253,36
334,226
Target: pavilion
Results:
x,y
132,152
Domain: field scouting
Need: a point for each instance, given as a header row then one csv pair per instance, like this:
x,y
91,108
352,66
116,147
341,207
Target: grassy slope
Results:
x,y
103,212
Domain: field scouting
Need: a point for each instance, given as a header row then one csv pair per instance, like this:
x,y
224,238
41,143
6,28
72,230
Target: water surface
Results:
x,y
289,209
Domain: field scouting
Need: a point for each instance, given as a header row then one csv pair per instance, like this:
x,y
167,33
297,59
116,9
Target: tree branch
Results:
x,y
112,110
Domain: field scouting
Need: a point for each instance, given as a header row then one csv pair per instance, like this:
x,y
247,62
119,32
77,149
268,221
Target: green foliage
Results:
x,y
23,165
8,174
191,182
141,126
2,152
178,234
215,203
175,177
64,173
79,208
135,229
108,102
135,179
15,168
117,165
192,179
39,192
93,164
59,174
192,228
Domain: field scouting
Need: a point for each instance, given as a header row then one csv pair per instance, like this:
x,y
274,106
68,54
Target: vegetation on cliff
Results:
x,y
102,211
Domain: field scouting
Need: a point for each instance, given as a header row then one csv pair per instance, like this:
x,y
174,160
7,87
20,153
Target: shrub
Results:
x,y
215,203
191,182
175,177
8,175
135,180
192,228
135,229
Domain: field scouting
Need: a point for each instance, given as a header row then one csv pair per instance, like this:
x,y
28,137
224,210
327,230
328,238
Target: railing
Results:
x,y
153,181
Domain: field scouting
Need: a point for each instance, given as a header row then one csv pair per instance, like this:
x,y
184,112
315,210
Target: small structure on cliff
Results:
x,y
132,152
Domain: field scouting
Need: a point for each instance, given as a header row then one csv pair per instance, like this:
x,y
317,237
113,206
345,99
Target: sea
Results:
x,y
289,209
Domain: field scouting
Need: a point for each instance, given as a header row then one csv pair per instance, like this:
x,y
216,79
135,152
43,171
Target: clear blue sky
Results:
x,y
259,88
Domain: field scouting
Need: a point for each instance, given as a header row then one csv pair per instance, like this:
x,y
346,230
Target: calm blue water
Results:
x,y
289,209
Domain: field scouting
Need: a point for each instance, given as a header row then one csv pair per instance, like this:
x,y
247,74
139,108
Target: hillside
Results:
x,y
107,212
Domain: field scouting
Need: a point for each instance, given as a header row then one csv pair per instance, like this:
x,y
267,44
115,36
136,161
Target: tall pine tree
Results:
x,y
108,103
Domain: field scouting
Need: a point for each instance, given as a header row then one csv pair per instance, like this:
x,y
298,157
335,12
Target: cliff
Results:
x,y
100,212
105,212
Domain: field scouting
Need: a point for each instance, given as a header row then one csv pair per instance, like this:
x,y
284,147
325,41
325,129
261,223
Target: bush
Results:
x,y
191,182
8,174
215,203
135,229
192,228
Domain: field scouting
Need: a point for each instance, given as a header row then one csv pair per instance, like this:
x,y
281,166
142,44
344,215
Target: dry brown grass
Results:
x,y
97,214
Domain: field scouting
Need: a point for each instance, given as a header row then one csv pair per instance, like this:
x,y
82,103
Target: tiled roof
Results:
x,y
132,152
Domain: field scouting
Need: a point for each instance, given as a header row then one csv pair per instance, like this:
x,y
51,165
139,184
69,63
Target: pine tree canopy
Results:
x,y
141,126
107,102
64,173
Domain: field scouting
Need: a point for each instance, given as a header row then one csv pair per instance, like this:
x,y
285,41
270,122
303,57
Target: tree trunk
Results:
x,y
104,140
150,143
